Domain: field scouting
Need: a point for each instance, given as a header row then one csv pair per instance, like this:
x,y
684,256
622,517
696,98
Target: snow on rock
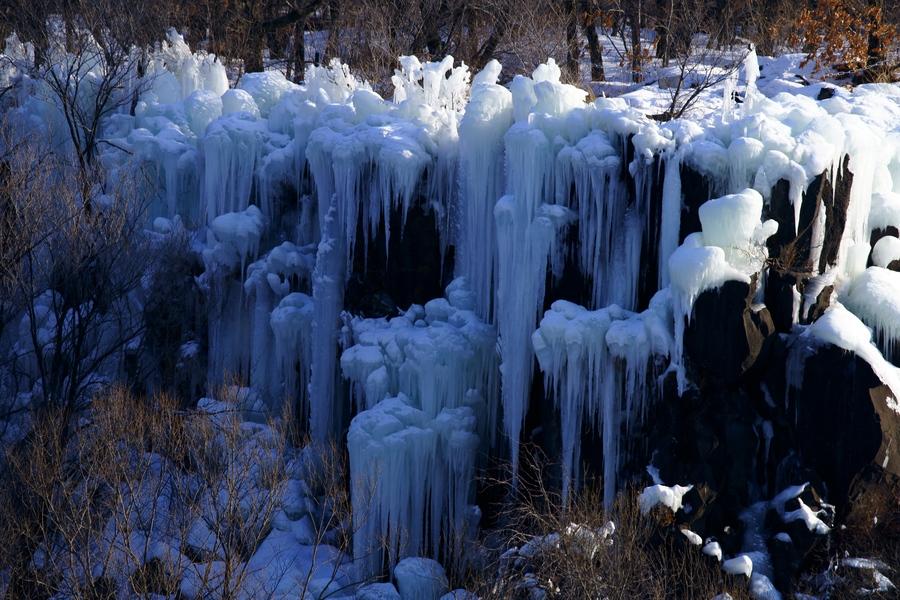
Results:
x,y
411,477
662,495
378,591
714,549
803,513
420,579
731,246
885,210
739,565
840,327
886,251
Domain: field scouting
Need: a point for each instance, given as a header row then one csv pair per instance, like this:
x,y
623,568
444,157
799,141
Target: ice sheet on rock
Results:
x,y
411,481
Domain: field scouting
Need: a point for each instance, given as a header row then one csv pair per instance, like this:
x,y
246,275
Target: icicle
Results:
x,y
596,365
488,116
411,478
439,356
328,295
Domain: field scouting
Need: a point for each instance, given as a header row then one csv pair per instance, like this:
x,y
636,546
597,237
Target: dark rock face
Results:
x,y
411,270
836,204
844,425
726,336
695,190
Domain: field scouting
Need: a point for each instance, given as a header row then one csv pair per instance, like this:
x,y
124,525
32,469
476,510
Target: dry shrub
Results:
x,y
577,560
140,494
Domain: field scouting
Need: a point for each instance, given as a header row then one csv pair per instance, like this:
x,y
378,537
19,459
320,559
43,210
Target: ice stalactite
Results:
x,y
411,481
232,148
481,183
285,269
328,297
596,364
233,240
525,247
609,234
292,325
528,231
367,161
439,356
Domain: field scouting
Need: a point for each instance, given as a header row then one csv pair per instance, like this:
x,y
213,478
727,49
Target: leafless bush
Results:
x,y
584,551
147,498
71,271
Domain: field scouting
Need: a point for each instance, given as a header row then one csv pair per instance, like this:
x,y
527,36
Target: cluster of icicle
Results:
x,y
282,177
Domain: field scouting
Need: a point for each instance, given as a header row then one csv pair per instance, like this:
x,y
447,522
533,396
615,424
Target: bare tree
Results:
x,y
70,281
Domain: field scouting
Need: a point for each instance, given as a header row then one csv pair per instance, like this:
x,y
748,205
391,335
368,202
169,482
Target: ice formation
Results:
x,y
874,297
596,364
411,477
287,185
440,356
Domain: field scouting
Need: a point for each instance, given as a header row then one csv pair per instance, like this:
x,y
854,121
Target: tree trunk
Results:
x,y
594,48
636,63
875,49
573,48
299,51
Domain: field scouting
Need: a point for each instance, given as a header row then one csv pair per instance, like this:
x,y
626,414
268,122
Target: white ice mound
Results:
x,y
266,88
874,297
886,251
239,101
234,238
420,579
411,478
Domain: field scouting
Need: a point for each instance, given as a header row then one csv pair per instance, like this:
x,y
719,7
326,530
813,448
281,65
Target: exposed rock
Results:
x,y
726,334
844,424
